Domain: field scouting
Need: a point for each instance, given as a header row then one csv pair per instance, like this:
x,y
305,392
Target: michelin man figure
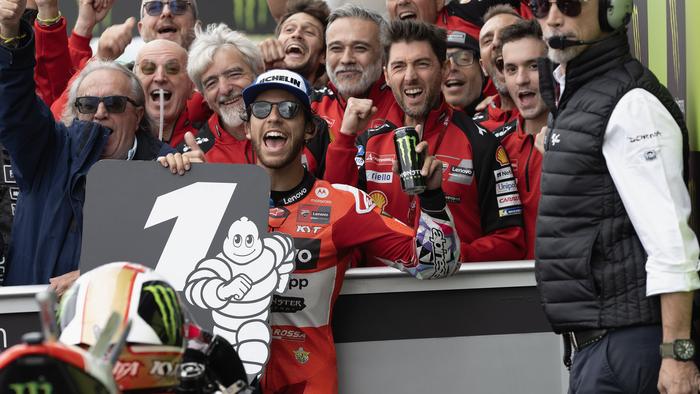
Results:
x,y
238,284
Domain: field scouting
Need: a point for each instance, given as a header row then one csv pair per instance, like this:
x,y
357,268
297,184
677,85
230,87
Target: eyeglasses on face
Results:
x,y
113,104
571,8
286,109
171,67
462,57
155,8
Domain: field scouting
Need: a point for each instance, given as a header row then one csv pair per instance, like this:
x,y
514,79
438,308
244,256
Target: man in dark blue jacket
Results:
x,y
50,160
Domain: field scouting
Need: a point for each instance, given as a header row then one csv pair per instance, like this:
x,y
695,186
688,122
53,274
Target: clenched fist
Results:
x,y
10,14
358,112
273,53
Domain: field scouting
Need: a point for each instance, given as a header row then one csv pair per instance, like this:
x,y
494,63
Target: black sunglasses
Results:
x,y
113,104
571,8
155,8
286,109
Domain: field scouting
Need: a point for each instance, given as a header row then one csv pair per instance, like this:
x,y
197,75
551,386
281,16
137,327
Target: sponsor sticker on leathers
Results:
x,y
508,200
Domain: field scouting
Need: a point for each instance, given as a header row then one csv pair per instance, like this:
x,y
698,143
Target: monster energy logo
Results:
x,y
169,307
407,151
32,387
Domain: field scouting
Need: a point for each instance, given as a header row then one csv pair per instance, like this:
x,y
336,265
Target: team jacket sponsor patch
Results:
x,y
503,173
509,211
379,177
508,200
7,174
505,187
501,156
462,173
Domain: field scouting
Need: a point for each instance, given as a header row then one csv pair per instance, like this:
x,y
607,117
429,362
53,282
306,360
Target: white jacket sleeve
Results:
x,y
644,153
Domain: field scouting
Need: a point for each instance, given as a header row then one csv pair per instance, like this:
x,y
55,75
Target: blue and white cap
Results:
x,y
279,79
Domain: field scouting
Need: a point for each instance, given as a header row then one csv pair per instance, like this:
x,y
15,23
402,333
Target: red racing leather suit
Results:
x,y
527,168
219,146
323,220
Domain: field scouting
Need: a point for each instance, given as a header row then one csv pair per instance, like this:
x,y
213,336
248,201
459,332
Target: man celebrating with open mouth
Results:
x,y
323,219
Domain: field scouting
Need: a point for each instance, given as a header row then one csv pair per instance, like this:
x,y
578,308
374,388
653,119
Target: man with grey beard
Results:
x,y
222,63
355,38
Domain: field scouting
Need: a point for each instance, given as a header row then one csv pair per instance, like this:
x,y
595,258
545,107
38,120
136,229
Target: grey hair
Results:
x,y
70,112
216,36
353,11
195,10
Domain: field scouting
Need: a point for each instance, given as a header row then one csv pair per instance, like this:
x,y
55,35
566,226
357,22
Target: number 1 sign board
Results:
x,y
204,231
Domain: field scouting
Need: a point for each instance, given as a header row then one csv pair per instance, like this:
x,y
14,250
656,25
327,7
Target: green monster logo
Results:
x,y
32,387
407,150
169,308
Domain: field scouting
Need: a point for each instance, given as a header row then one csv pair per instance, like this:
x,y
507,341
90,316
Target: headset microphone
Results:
x,y
561,42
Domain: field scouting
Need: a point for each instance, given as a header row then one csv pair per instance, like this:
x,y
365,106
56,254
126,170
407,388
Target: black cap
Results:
x,y
460,39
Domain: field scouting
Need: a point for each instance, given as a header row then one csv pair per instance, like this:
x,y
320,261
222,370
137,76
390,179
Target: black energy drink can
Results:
x,y
410,162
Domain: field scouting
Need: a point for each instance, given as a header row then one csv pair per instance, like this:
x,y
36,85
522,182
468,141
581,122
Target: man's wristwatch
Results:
x,y
679,350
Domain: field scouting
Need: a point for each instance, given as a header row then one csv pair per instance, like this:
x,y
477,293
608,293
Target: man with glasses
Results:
x,y
50,159
302,353
161,66
489,224
172,20
616,260
464,84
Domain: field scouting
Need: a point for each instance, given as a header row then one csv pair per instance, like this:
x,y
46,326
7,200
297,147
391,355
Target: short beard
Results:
x,y
369,76
232,117
422,112
500,86
564,56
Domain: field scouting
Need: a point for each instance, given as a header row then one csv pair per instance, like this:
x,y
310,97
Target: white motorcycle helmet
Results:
x,y
155,343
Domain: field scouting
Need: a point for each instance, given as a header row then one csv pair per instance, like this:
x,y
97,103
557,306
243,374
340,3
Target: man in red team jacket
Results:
x,y
355,39
475,164
501,109
456,15
522,45
323,219
223,62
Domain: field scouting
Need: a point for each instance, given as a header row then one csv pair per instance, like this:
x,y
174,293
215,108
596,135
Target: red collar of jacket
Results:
x,y
437,120
377,88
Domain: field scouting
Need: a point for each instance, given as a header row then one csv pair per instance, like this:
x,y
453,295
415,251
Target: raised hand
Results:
x,y
90,13
273,53
48,9
115,39
10,14
358,112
